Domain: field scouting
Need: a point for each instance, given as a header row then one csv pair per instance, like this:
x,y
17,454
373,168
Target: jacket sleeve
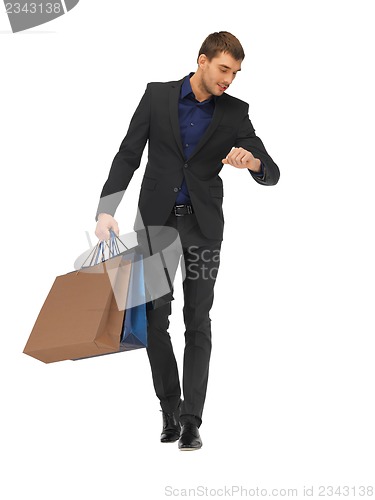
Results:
x,y
247,139
128,158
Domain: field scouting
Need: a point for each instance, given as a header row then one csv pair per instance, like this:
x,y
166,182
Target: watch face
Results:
x,y
26,15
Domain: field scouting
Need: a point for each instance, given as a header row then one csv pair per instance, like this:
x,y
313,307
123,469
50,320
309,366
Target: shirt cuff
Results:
x,y
261,173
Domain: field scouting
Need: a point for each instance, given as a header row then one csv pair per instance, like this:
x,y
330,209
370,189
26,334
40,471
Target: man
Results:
x,y
193,129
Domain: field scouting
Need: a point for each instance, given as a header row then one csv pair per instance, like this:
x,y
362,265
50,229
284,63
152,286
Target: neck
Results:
x,y
198,87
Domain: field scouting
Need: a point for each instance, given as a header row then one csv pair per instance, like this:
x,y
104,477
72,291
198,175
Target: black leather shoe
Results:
x,y
171,426
189,438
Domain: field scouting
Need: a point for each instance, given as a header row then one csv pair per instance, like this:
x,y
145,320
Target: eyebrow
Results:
x,y
227,67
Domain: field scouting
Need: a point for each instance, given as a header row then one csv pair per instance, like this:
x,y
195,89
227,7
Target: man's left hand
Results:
x,y
241,158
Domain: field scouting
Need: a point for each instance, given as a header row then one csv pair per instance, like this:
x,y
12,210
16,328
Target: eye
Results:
x,y
223,70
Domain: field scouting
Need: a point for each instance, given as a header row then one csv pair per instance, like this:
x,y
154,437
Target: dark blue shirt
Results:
x,y
194,119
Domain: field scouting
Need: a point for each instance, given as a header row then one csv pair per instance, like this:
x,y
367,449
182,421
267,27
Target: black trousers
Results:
x,y
200,259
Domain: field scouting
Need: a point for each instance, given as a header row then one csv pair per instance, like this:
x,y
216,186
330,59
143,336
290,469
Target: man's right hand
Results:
x,y
104,224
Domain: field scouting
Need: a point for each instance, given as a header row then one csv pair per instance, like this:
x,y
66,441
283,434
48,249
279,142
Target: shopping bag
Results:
x,y
134,333
83,313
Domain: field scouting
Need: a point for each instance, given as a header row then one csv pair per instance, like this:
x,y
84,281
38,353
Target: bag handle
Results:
x,y
97,254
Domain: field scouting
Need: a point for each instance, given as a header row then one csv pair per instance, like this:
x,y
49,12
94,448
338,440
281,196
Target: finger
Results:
x,y
241,155
105,235
99,232
243,158
231,158
238,158
246,158
103,232
225,161
102,235
115,229
235,158
232,153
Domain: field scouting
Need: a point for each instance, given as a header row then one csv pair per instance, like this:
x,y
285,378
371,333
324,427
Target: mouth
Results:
x,y
223,88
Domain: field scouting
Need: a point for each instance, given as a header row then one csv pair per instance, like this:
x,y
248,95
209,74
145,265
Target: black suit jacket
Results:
x,y
156,121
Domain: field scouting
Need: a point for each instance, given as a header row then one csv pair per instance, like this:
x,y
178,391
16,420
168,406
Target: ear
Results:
x,y
202,60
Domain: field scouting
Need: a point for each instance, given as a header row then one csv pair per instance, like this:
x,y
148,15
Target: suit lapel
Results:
x,y
173,110
174,96
216,118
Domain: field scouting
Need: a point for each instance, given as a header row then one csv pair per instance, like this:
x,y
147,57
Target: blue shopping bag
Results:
x,y
134,332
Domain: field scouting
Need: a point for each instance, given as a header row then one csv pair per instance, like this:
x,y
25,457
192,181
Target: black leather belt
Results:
x,y
180,210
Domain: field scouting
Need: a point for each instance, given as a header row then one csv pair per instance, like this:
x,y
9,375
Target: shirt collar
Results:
x,y
186,88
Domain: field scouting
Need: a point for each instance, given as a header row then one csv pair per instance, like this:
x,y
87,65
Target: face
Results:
x,y
218,73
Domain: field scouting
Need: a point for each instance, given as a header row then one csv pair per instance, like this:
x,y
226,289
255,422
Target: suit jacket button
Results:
x,y
175,190
186,165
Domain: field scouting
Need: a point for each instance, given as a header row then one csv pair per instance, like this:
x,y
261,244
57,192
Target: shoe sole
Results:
x,y
190,449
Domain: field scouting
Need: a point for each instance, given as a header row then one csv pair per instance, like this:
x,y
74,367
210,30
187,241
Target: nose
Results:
x,y
229,80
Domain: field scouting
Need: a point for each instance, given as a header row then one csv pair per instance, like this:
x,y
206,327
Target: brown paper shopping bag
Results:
x,y
83,313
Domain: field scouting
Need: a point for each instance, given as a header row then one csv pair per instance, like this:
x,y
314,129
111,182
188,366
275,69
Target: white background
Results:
x,y
290,395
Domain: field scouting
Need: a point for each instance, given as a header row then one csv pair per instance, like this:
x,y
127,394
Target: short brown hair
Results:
x,y
222,41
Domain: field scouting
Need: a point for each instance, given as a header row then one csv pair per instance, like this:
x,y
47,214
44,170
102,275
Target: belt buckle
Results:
x,y
175,211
